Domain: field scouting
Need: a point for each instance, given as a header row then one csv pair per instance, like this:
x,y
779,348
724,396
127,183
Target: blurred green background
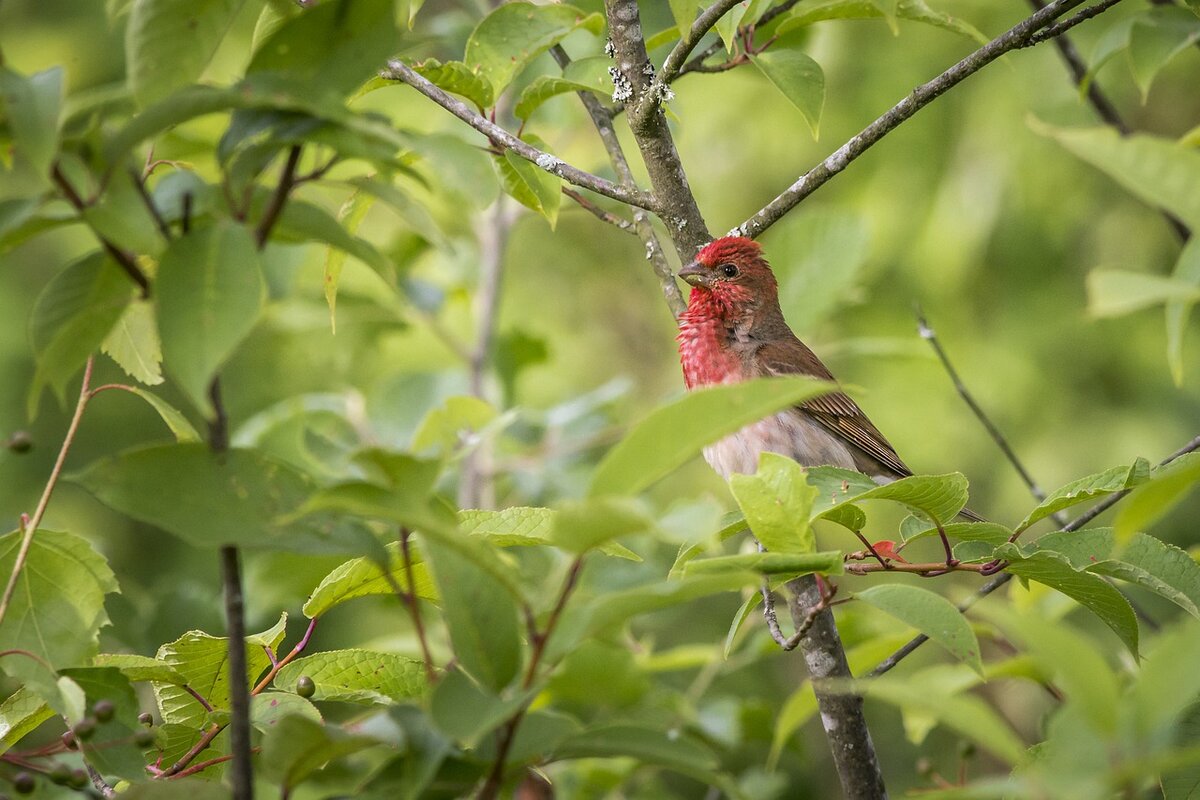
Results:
x,y
965,210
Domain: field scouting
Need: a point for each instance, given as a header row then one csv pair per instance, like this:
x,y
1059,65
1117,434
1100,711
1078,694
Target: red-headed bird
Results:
x,y
733,330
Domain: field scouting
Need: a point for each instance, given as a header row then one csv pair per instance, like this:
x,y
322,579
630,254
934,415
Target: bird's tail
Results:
x,y
971,516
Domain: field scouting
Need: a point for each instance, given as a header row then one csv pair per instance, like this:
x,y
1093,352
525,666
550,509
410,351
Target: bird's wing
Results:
x,y
835,411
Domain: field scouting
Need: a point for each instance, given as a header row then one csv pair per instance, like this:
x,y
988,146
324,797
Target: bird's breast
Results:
x,y
704,353
791,433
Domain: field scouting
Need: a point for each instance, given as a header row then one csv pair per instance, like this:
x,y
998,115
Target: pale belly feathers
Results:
x,y
787,433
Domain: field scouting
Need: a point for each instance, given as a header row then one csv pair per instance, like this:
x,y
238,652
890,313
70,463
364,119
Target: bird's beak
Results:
x,y
696,275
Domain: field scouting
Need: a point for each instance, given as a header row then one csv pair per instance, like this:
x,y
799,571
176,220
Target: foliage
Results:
x,y
504,576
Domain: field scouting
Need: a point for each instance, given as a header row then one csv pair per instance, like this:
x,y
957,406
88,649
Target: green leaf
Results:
x,y
579,527
173,417
306,222
57,608
912,10
970,716
1159,698
584,75
363,577
673,433
796,75
111,748
133,343
610,611
357,676
20,713
465,711
1151,502
647,745
777,502
524,526
512,35
793,564
986,532
457,78
268,708
1090,591
931,614
206,499
938,498
529,184
32,106
332,47
140,668
210,291
1187,270
203,661
1116,479
444,428
684,13
480,614
1158,171
350,216
297,747
70,319
168,43
1158,36
739,15
1115,293
1142,560
192,788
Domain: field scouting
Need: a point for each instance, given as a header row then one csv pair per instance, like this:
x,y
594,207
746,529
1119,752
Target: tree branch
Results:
x,y
841,714
30,525
995,583
696,64
399,71
283,189
602,119
683,48
1058,29
241,777
1015,38
125,260
600,213
678,210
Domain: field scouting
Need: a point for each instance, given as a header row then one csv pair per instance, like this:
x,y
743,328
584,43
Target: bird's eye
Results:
x,y
729,270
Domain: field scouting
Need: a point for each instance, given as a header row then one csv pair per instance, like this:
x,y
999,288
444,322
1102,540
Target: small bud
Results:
x,y
60,774
69,740
143,738
305,687
85,728
79,779
104,710
146,718
24,783
20,442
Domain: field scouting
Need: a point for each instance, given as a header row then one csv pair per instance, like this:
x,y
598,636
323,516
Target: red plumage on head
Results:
x,y
735,249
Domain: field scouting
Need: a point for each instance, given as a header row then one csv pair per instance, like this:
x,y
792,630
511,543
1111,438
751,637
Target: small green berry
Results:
x,y
60,774
79,779
24,783
143,738
305,686
85,728
146,718
104,710
20,442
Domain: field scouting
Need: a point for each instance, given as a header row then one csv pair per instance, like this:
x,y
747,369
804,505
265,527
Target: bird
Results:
x,y
733,330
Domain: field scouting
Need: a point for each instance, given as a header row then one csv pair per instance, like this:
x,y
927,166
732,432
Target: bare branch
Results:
x,y
599,213
125,260
602,119
399,71
1016,37
241,777
678,210
287,179
1060,28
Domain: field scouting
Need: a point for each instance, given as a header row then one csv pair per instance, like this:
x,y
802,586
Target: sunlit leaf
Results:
x,y
1116,479
796,75
356,676
777,502
168,43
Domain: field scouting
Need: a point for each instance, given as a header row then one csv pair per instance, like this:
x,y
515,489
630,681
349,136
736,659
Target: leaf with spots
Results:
x,y
357,676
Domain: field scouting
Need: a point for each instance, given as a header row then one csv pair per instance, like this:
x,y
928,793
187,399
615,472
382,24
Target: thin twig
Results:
x,y
923,95
495,778
599,213
125,260
140,185
241,775
203,765
287,180
696,64
414,607
1003,578
1060,28
603,121
928,334
399,71
198,697
683,48
30,526
279,664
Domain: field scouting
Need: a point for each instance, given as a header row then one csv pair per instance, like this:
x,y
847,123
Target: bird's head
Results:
x,y
732,275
